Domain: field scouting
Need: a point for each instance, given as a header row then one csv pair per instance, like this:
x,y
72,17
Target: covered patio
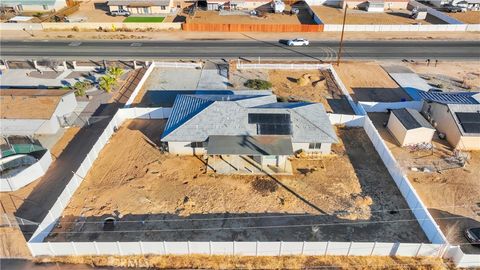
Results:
x,y
249,154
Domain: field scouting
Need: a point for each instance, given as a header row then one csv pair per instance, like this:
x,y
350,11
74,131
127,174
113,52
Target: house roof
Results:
x,y
196,117
29,103
139,3
250,145
411,119
451,98
28,2
468,126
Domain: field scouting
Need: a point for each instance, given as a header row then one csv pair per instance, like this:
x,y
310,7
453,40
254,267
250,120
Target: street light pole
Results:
x,y
341,37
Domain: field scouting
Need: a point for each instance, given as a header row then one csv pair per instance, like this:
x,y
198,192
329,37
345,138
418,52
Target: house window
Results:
x,y
314,146
197,144
163,7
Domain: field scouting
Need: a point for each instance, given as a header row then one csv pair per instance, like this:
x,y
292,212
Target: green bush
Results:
x,y
258,84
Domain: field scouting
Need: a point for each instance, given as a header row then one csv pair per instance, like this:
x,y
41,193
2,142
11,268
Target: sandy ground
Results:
x,y
472,17
309,85
61,144
12,243
266,18
368,81
466,73
95,11
135,182
451,193
332,15
180,35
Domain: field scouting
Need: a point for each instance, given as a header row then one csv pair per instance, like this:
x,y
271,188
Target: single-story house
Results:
x,y
142,6
234,4
456,115
409,127
473,5
252,128
28,112
376,5
32,5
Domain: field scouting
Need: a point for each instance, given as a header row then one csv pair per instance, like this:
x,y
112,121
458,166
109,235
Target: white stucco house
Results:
x,y
33,111
32,5
251,126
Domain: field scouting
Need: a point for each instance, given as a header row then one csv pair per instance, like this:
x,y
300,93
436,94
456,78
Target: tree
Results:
x,y
115,72
258,84
81,87
106,83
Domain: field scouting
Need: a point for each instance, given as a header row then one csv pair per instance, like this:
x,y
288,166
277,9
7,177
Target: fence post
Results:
x,y
256,248
188,247
51,248
303,247
349,248
74,248
210,247
165,247
119,248
326,248
140,243
233,247
280,249
96,247
373,248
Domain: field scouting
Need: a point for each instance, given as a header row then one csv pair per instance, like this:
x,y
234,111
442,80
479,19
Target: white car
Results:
x,y
115,13
298,42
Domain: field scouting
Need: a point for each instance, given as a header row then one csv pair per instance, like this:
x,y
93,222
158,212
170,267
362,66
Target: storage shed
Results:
x,y
409,127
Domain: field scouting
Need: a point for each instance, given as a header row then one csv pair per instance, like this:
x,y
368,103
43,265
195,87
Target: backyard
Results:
x,y
332,15
368,81
451,192
158,196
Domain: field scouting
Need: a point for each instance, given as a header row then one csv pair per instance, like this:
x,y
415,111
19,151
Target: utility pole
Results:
x,y
341,37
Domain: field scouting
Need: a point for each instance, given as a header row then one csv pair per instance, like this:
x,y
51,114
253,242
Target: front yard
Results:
x,y
133,19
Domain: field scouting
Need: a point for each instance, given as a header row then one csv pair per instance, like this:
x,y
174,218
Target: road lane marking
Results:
x,y
136,44
75,44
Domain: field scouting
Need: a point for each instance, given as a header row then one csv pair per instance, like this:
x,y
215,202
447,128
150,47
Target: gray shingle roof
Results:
x,y
197,120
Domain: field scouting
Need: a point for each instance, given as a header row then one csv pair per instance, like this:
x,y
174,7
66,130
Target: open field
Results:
x,y
451,192
262,262
368,81
175,197
472,17
267,18
133,19
333,15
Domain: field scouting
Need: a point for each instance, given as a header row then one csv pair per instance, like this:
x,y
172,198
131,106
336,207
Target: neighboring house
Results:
x,y
409,127
29,112
473,5
252,128
374,5
234,4
32,5
457,115
142,6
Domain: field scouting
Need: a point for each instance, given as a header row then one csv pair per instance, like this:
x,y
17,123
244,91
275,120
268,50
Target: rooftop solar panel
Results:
x,y
471,127
268,118
274,129
469,117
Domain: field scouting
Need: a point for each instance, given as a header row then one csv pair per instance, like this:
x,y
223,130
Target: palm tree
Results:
x,y
115,72
107,82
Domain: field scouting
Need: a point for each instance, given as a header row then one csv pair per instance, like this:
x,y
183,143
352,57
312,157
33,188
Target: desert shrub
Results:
x,y
75,29
258,84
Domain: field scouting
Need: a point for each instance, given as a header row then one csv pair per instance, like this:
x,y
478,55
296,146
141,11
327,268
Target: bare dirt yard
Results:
x,y
333,15
95,11
472,17
455,76
368,81
450,191
347,196
266,18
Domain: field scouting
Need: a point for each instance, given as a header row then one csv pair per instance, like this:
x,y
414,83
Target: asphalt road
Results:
x,y
318,50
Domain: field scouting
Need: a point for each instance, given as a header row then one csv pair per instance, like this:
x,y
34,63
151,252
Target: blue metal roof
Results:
x,y
449,98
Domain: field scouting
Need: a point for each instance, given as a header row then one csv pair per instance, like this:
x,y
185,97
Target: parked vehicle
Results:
x,y
298,42
451,8
125,13
473,236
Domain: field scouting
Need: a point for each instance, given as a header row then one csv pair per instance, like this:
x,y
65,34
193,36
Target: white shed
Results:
x,y
409,127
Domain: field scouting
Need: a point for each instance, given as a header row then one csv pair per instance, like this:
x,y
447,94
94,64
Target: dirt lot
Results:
x,y
267,18
460,73
173,195
332,15
95,11
368,81
451,193
472,17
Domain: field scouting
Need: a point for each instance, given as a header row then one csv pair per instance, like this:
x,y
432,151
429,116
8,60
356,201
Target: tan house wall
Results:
x,y
396,128
408,137
184,148
325,148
